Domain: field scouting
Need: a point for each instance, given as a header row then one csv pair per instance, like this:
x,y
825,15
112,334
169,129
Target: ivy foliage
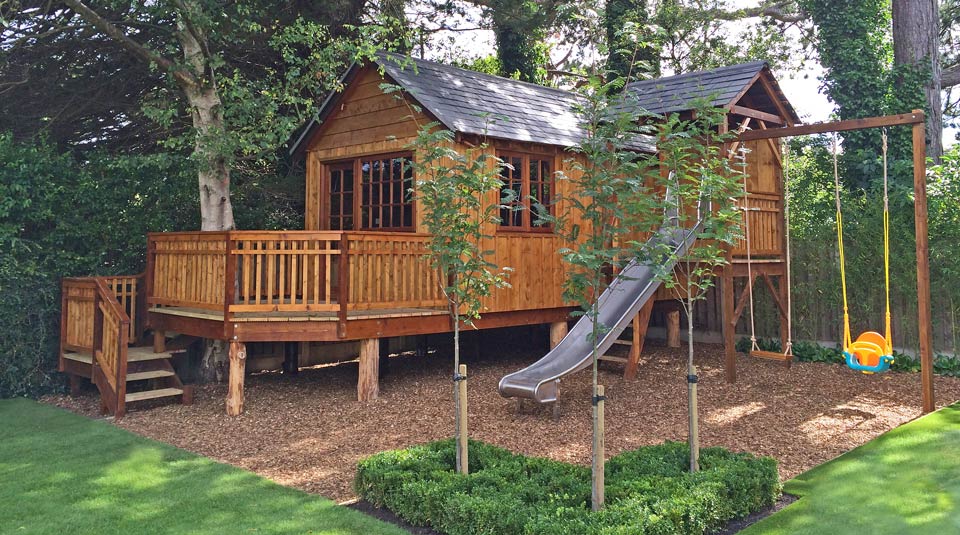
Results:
x,y
520,29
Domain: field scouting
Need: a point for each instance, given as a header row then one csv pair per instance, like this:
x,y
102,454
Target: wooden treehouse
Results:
x,y
357,271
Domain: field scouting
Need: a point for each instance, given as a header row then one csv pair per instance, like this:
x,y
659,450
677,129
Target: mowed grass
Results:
x,y
906,481
63,473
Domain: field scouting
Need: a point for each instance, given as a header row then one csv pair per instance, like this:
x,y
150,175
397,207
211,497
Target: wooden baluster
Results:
x,y
343,291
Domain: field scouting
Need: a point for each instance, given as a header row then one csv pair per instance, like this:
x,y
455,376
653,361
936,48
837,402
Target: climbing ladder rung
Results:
x,y
623,342
611,358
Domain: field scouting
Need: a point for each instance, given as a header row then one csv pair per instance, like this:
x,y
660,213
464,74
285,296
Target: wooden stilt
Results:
x,y
291,357
159,341
729,323
368,382
557,331
673,328
238,368
640,323
75,382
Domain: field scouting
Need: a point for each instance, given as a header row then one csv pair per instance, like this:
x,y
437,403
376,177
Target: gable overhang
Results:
x,y
766,82
333,100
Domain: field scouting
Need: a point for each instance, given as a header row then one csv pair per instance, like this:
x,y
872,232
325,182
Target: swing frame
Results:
x,y
917,120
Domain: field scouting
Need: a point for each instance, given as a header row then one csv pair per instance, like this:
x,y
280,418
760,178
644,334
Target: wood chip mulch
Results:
x,y
308,430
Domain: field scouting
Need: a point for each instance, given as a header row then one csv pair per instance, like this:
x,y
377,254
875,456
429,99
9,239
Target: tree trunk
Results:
x,y
216,212
916,29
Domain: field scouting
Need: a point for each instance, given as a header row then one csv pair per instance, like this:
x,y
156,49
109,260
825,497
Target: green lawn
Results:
x,y
63,473
904,482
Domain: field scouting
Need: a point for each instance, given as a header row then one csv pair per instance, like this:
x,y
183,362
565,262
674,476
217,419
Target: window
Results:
x,y
380,200
527,182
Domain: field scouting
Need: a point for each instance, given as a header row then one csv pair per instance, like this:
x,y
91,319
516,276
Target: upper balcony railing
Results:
x,y
290,271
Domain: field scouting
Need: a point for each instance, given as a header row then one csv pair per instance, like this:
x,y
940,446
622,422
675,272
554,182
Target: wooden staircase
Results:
x,y
101,340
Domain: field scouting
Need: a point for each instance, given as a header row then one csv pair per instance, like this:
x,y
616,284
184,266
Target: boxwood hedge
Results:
x,y
649,490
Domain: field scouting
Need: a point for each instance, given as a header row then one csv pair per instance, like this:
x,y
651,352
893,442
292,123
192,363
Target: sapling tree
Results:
x,y
703,189
608,176
458,194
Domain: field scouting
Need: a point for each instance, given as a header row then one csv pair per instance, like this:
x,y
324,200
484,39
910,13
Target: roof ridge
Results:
x,y
691,74
478,74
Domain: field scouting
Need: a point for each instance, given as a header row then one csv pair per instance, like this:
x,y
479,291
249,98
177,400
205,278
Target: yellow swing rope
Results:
x,y
847,340
886,249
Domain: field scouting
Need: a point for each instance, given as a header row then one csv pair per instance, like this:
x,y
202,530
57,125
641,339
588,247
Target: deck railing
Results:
x,y
290,271
111,327
77,311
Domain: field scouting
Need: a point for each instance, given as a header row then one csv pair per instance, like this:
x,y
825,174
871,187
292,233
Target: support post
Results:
x,y
728,324
598,451
368,382
159,341
291,358
238,368
673,328
462,429
75,384
557,331
925,329
640,323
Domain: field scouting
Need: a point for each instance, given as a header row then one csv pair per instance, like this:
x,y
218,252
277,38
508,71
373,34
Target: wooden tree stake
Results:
x,y
462,431
238,367
598,449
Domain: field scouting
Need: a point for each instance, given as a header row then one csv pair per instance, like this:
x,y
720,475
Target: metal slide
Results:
x,y
619,303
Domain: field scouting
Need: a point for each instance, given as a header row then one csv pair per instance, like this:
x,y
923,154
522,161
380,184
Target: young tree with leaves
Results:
x,y
703,186
453,190
608,177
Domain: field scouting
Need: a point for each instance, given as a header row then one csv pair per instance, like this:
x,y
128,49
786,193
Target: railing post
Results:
x,y
97,348
343,293
121,371
149,274
230,282
141,306
63,322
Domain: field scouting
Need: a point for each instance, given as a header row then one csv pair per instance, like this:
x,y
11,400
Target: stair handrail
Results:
x,y
112,396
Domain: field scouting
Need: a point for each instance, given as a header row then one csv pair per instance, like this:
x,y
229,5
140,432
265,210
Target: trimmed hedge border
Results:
x,y
649,490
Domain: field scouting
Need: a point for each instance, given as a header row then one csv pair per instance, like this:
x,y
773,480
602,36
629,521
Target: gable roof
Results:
x,y
721,87
473,103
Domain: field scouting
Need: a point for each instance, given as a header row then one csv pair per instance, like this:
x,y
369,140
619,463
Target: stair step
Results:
x,y
611,358
153,374
139,354
152,394
86,358
623,342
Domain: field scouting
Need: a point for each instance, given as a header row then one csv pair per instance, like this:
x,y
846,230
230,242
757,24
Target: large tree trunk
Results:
x,y
216,212
916,28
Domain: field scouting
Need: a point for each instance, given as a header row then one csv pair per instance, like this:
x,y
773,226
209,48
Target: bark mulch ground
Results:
x,y
308,430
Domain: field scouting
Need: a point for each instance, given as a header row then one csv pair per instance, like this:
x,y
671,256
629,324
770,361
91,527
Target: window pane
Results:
x,y
384,200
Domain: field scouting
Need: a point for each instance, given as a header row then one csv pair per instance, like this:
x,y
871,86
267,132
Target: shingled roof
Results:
x,y
721,87
469,102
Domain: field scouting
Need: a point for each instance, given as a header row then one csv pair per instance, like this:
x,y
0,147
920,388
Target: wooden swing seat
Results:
x,y
772,355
